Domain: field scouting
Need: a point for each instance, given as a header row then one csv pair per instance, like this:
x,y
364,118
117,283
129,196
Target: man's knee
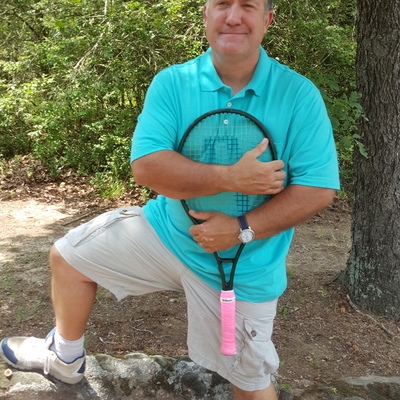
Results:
x,y
57,262
55,257
60,267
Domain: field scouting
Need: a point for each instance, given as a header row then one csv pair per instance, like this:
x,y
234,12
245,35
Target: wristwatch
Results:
x,y
246,234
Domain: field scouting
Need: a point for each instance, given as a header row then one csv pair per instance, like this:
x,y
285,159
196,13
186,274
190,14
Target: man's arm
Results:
x,y
289,208
177,177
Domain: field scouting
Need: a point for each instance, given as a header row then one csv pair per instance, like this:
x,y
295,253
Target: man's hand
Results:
x,y
288,209
250,176
217,232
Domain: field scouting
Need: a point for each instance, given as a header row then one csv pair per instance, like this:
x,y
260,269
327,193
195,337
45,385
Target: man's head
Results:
x,y
237,27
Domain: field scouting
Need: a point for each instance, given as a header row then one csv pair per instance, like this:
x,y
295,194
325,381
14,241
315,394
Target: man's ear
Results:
x,y
205,13
268,19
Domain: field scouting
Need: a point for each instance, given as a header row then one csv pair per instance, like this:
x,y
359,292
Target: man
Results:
x,y
132,251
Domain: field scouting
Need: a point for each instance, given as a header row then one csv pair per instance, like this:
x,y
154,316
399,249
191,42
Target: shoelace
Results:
x,y
50,355
46,364
40,352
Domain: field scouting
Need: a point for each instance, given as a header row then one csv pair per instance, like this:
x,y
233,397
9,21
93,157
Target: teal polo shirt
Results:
x,y
291,108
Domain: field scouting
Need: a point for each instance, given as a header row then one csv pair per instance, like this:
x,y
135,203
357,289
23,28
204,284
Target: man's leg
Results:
x,y
120,251
268,393
73,296
61,354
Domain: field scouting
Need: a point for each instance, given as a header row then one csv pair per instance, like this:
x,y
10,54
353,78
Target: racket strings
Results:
x,y
242,203
220,149
223,138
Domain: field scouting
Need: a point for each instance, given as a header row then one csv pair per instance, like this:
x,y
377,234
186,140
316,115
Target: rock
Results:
x,y
362,388
138,376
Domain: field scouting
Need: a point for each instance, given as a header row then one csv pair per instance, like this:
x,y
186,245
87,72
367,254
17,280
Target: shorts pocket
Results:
x,y
258,356
92,229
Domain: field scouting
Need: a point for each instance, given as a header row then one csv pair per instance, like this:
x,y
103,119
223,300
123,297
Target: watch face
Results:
x,y
246,235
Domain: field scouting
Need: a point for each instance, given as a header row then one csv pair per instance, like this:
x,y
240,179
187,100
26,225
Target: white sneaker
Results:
x,y
33,353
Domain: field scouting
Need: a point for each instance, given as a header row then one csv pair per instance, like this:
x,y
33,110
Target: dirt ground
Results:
x,y
320,335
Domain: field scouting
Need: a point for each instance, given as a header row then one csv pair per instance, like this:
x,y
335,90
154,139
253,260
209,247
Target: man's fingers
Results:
x,y
204,216
278,165
260,149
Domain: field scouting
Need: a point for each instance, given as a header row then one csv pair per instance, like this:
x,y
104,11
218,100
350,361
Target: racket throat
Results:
x,y
227,285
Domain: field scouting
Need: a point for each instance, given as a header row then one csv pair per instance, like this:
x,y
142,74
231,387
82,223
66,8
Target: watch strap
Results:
x,y
243,222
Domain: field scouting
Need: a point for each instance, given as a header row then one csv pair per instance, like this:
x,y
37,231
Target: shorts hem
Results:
x,y
234,380
62,247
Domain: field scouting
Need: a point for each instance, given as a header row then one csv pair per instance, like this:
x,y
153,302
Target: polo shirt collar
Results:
x,y
211,82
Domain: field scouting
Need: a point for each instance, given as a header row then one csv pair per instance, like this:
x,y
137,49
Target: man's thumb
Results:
x,y
261,147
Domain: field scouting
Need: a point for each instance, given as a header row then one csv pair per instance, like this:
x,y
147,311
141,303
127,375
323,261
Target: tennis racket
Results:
x,y
222,137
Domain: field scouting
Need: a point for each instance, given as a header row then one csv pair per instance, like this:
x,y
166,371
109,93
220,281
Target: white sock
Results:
x,y
67,350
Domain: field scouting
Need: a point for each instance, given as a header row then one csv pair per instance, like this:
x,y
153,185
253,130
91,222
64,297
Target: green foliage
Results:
x,y
316,38
74,73
72,89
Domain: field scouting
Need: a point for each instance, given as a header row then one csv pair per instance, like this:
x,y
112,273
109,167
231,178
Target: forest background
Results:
x,y
73,76
74,73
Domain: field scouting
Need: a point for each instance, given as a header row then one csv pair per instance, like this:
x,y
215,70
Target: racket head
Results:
x,y
222,137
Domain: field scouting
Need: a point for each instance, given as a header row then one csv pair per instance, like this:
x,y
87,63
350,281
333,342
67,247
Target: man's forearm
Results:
x,y
288,209
177,177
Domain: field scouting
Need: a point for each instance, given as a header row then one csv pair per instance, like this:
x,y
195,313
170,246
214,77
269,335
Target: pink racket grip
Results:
x,y
228,322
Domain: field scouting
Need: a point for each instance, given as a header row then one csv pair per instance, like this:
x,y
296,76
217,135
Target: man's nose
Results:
x,y
234,15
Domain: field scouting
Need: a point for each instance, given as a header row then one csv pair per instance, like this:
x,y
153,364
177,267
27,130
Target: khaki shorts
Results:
x,y
121,252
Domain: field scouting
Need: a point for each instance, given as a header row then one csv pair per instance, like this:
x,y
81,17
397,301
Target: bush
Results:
x,y
74,74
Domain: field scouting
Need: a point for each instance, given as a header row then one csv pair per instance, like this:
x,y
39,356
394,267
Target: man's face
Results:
x,y
236,27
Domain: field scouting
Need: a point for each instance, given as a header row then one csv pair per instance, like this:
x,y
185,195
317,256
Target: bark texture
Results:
x,y
372,275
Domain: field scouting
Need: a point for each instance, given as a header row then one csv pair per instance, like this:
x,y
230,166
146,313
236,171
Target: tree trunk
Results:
x,y
372,276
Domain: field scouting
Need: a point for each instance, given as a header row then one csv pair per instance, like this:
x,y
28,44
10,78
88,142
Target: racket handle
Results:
x,y
228,322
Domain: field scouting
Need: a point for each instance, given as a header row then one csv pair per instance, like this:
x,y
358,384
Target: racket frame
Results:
x,y
228,347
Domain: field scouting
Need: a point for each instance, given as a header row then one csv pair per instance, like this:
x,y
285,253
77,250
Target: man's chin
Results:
x,y
232,48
